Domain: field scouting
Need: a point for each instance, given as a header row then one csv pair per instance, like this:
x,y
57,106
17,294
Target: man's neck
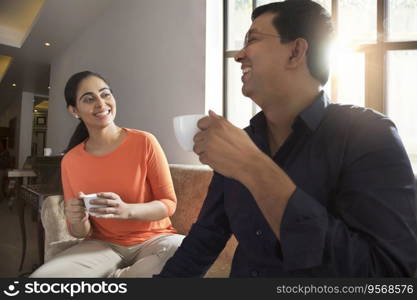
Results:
x,y
281,112
281,109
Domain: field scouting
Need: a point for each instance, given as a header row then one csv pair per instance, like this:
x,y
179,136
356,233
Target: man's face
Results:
x,y
263,59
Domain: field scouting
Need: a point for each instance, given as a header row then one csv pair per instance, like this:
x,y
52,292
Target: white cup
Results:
x,y
47,151
87,199
185,128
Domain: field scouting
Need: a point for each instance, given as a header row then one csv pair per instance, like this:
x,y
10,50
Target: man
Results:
x,y
310,188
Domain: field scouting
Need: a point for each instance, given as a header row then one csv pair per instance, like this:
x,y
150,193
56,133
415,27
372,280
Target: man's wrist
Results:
x,y
261,174
253,166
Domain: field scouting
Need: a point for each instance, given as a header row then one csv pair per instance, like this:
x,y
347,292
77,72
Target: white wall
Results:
x,y
25,128
152,54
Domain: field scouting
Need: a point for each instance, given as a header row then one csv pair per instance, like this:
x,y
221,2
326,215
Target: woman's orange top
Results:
x,y
137,171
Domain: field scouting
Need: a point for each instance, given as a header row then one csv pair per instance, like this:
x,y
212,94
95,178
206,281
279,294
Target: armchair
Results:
x,y
190,183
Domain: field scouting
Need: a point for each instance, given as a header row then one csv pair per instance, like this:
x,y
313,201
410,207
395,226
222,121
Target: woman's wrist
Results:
x,y
80,229
147,212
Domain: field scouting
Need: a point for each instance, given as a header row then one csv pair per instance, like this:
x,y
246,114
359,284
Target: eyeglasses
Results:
x,y
250,39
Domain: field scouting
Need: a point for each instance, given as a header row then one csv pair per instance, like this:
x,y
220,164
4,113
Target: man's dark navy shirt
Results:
x,y
353,213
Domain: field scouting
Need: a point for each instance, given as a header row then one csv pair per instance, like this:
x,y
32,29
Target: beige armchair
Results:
x,y
190,182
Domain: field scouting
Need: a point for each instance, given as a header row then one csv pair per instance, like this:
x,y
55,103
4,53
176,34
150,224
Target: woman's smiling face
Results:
x,y
95,104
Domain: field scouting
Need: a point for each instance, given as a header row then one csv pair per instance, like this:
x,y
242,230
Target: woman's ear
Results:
x,y
73,111
298,52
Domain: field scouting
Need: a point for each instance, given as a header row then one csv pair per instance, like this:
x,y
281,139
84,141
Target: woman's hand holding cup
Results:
x,y
109,206
75,211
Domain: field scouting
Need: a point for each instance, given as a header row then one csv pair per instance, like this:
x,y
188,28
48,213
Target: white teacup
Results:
x,y
88,205
185,128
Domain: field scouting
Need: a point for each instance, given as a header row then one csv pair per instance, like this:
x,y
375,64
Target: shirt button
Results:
x,y
254,273
258,232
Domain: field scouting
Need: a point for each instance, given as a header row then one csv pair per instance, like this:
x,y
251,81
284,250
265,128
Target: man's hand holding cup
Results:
x,y
223,146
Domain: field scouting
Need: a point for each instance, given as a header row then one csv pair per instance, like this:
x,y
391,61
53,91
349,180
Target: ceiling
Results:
x,y
43,105
5,62
16,20
25,26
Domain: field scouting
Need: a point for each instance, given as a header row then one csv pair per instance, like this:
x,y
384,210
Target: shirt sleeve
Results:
x,y
372,228
159,175
206,239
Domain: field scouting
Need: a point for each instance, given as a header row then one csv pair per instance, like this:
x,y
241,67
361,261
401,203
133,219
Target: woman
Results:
x,y
132,235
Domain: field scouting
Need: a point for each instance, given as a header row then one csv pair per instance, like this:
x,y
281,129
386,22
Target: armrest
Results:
x,y
54,224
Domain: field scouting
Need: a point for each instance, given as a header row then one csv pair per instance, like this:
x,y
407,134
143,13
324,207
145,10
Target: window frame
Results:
x,y
375,55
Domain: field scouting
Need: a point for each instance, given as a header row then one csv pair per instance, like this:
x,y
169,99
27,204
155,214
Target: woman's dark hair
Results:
x,y
70,92
308,20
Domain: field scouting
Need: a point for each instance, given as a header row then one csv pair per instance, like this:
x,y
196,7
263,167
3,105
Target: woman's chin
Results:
x,y
102,124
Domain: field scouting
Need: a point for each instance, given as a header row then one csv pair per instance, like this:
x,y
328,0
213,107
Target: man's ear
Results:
x,y
298,52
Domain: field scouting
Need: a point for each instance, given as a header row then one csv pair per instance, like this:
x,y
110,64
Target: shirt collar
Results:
x,y
311,115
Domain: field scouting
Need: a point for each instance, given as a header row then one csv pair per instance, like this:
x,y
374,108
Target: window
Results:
x,y
375,63
401,95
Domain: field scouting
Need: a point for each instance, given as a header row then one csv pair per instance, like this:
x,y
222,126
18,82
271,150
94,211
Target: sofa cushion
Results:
x,y
191,184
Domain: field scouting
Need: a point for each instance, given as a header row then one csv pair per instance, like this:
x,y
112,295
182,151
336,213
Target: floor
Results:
x,y
11,242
